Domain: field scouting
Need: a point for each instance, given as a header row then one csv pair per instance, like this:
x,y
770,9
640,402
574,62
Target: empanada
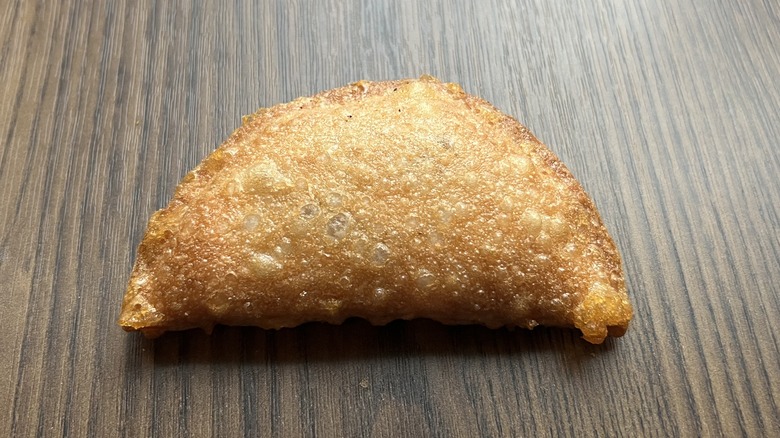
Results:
x,y
379,200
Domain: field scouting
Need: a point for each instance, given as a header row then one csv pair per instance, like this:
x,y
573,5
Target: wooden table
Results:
x,y
666,112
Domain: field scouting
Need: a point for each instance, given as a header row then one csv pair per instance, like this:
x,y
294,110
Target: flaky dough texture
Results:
x,y
379,200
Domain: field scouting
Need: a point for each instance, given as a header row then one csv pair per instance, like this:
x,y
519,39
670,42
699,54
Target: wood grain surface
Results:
x,y
666,111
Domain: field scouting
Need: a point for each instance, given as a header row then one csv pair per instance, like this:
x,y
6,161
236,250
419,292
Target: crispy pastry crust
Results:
x,y
380,200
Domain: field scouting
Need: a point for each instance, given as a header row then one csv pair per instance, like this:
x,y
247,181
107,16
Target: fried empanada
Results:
x,y
384,201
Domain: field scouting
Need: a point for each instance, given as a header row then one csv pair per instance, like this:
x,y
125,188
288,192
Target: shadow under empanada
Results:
x,y
356,340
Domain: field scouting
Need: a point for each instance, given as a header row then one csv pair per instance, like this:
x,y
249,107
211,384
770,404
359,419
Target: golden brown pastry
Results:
x,y
380,200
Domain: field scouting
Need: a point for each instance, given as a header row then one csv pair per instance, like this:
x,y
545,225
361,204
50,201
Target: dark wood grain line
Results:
x,y
254,351
275,391
184,389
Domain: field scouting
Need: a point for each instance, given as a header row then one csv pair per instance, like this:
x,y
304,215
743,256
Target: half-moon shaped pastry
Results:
x,y
384,201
